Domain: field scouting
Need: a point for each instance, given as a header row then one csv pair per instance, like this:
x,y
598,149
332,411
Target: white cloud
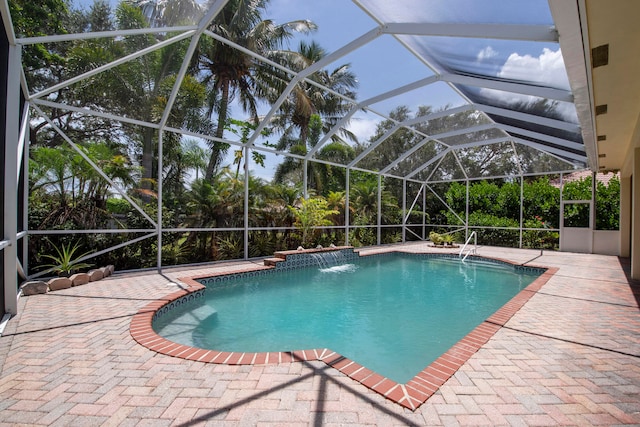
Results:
x,y
363,128
486,53
547,69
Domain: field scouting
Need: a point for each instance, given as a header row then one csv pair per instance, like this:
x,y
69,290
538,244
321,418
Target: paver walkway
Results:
x,y
570,356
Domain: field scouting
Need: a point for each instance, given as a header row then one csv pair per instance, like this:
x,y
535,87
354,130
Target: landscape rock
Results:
x,y
95,275
79,279
111,269
59,283
34,287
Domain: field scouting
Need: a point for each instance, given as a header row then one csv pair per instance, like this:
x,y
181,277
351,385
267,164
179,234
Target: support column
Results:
x,y
625,216
466,212
424,212
24,178
305,166
379,216
159,218
246,202
635,216
521,208
404,211
346,207
12,133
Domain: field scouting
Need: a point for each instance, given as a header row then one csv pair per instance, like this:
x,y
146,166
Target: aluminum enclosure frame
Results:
x,y
573,154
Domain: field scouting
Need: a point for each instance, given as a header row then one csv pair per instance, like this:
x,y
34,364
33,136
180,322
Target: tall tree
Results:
x,y
166,13
139,88
309,112
396,144
140,82
320,176
195,157
307,100
46,65
39,18
230,74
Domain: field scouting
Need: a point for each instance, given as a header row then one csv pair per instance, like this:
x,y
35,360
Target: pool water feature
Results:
x,y
393,313
327,259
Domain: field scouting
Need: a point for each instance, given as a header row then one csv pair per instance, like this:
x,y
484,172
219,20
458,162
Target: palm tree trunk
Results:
x,y
147,157
216,151
147,163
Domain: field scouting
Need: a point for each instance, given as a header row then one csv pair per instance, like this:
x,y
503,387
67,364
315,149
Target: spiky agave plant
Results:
x,y
65,262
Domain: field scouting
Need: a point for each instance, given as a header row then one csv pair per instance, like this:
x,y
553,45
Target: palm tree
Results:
x,y
194,156
309,112
319,175
363,198
336,200
138,88
231,74
165,13
276,212
307,100
214,203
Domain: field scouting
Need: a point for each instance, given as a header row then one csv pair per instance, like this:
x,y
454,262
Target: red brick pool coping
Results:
x,y
410,395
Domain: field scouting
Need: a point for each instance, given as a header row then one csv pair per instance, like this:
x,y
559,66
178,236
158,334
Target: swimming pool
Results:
x,y
393,313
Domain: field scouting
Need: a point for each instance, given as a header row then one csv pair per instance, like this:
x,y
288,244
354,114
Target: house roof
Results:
x,y
601,177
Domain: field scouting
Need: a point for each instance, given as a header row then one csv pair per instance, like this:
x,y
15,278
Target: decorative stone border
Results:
x,y
34,287
410,395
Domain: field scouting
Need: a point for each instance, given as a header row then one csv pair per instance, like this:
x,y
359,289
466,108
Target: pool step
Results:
x,y
271,262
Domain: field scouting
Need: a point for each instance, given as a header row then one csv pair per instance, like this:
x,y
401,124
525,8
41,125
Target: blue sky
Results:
x,y
384,64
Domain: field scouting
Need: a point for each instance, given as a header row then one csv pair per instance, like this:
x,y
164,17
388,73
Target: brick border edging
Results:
x,y
410,395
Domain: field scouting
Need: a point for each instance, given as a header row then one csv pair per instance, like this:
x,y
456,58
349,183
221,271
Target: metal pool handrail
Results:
x,y
475,246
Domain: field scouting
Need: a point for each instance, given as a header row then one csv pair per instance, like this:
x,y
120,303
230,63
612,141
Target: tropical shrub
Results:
x,y
541,237
608,205
262,243
435,238
230,247
118,206
506,235
312,213
391,236
541,199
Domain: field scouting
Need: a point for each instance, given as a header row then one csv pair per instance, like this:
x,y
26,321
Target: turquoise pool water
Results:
x,y
394,314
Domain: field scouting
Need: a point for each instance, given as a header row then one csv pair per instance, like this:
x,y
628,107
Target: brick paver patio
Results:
x,y
569,356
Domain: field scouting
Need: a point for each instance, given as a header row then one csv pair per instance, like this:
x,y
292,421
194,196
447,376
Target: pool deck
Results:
x,y
569,356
